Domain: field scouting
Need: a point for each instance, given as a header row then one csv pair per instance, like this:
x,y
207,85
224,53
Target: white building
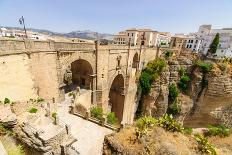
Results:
x,y
21,34
145,37
193,43
225,40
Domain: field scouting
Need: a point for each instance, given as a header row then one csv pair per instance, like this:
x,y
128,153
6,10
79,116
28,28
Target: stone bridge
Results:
x,y
32,69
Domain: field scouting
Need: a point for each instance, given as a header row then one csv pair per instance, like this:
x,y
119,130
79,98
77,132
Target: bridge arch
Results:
x,y
117,96
81,73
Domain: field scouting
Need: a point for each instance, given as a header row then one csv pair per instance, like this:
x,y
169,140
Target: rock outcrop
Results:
x,y
7,117
157,142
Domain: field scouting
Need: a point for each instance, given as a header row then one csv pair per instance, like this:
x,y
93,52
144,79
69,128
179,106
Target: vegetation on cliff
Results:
x,y
184,83
151,73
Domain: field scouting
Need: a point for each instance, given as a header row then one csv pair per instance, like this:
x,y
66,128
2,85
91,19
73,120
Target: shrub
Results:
x,y
174,109
6,101
168,54
156,67
173,92
97,112
184,82
204,146
33,110
111,118
54,114
170,124
188,130
144,124
40,100
150,73
145,82
204,66
219,130
181,71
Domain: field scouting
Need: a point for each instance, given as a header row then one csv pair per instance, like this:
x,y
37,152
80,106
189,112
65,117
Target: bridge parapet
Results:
x,y
13,46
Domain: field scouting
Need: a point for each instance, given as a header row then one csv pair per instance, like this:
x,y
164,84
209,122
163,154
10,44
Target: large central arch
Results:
x,y
81,71
116,96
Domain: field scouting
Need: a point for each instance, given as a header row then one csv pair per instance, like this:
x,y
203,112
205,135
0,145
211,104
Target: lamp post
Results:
x,y
22,22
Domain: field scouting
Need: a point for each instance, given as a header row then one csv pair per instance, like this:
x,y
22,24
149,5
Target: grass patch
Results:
x,y
218,130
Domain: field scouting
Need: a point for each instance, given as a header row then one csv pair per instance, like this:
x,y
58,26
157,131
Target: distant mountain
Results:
x,y
87,34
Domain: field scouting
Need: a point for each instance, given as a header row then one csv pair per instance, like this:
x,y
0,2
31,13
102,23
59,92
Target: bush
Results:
x,y
184,82
97,112
145,82
150,73
204,146
219,130
168,54
111,118
174,109
40,100
144,124
173,92
54,114
33,110
6,101
156,67
188,130
205,67
170,124
181,71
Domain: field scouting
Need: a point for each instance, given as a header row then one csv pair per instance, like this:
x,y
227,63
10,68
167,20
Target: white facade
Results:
x,y
225,40
145,37
193,43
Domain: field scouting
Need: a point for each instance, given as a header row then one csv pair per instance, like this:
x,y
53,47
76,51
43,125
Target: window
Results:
x,y
190,46
191,41
196,41
128,34
195,46
132,34
187,46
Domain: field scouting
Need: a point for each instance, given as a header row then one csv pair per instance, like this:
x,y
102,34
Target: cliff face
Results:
x,y
201,104
213,103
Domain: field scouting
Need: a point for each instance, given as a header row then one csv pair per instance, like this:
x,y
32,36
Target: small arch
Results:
x,y
135,61
117,97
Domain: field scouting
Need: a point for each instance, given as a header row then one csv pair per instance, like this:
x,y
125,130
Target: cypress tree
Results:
x,y
214,45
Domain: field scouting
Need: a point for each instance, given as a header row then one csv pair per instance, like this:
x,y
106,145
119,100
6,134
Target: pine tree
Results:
x,y
214,45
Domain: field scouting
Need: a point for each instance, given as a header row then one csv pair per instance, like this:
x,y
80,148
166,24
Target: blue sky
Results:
x,y
111,16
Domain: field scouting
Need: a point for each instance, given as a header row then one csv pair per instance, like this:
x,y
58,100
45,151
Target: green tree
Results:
x,y
214,45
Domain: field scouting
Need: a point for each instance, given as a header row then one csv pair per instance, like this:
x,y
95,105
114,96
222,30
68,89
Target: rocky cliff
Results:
x,y
207,99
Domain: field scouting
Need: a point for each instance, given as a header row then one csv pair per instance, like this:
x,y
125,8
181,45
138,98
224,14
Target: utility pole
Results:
x,y
22,22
